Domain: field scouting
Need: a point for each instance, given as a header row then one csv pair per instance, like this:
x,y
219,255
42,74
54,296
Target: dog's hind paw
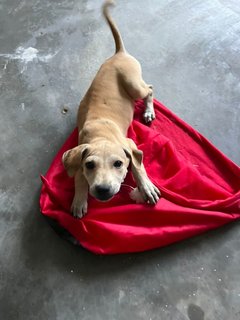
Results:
x,y
149,115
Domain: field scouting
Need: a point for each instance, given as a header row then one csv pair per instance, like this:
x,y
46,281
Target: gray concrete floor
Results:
x,y
50,51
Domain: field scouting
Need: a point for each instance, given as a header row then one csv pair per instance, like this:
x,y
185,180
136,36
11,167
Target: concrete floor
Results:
x,y
50,51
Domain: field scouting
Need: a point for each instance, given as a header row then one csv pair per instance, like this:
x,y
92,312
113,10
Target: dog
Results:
x,y
100,162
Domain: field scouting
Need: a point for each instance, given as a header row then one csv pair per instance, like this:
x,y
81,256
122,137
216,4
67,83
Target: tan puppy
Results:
x,y
99,163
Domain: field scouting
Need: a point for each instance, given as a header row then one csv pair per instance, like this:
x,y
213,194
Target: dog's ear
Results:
x,y
72,158
135,155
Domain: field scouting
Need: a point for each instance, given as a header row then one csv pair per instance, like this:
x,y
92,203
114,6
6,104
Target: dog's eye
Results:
x,y
90,165
117,164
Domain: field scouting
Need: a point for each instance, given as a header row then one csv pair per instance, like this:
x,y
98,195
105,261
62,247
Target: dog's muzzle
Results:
x,y
103,192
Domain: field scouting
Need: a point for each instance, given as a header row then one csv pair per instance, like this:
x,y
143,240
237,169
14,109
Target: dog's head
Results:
x,y
104,165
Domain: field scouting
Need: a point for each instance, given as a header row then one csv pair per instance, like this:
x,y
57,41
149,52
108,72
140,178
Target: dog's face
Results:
x,y
104,165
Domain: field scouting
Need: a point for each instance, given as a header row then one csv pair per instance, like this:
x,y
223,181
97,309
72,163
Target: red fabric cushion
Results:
x,y
200,191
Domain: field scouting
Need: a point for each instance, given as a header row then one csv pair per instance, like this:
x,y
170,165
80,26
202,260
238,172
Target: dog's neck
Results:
x,y
101,129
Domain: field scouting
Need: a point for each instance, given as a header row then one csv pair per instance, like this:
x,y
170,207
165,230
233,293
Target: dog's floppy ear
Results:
x,y
72,158
135,155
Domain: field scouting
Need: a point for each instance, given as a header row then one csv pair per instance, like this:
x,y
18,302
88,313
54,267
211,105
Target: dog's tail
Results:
x,y
116,34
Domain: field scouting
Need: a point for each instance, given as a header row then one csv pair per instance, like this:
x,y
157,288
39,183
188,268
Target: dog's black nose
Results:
x,y
103,192
102,189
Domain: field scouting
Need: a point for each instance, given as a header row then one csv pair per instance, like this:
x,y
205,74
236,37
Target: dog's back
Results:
x,y
109,95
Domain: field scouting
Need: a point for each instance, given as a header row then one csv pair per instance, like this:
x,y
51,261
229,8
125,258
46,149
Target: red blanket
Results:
x,y
200,191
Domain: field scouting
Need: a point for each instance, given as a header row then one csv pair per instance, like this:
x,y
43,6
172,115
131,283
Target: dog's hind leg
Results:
x,y
138,89
149,113
145,92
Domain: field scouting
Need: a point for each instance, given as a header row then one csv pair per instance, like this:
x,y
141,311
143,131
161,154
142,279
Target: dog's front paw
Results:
x,y
79,208
149,192
149,115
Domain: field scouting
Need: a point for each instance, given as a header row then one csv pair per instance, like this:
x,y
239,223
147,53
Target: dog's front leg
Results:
x,y
149,192
80,204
